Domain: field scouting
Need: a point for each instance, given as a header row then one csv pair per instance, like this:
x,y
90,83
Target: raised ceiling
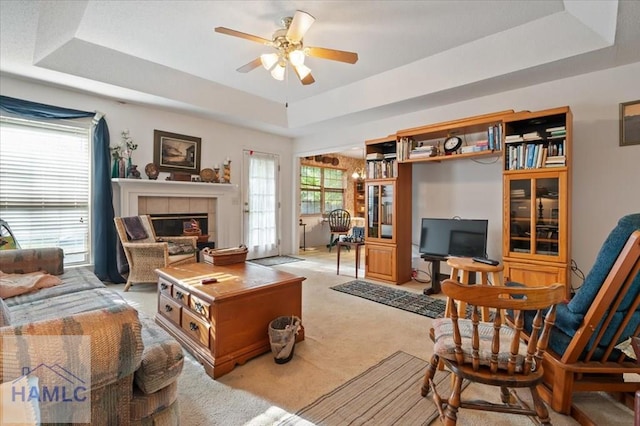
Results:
x,y
412,54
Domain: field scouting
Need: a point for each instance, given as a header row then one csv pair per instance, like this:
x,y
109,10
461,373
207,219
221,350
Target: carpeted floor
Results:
x,y
386,393
275,260
420,304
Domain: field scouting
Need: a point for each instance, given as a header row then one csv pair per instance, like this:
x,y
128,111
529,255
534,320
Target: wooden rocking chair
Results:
x,y
584,351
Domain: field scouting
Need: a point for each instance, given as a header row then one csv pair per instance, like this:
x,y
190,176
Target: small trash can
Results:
x,y
282,337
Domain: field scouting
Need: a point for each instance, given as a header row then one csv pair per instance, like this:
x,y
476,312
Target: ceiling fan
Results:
x,y
289,49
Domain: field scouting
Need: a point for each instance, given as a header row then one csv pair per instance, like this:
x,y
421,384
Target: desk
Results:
x,y
466,265
355,245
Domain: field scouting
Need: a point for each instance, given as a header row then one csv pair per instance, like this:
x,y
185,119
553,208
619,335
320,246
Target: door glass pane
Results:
x,y
547,225
520,216
373,206
386,214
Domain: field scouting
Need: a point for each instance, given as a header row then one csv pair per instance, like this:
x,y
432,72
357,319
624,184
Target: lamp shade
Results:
x,y
269,60
296,58
278,72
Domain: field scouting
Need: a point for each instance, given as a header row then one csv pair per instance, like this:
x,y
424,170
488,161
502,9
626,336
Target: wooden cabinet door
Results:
x,y
535,275
380,262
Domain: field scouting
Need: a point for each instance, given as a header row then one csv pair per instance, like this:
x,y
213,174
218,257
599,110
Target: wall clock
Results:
x,y
452,144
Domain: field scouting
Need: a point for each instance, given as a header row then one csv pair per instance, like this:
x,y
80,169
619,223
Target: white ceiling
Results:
x,y
413,55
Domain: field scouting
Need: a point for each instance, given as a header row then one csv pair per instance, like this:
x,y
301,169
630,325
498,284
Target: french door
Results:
x,y
260,204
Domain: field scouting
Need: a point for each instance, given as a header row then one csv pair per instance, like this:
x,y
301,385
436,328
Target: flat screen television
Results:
x,y
441,238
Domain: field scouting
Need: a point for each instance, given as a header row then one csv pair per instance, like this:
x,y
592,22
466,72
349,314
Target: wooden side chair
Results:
x,y
145,252
339,224
585,349
492,353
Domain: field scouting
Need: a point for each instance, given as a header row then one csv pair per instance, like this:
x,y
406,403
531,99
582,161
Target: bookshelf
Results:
x,y
537,189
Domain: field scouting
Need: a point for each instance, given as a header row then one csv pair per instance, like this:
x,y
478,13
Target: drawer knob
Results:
x,y
168,308
163,286
193,326
199,308
179,295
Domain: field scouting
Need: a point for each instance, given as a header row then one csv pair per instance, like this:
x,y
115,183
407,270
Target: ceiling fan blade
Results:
x,y
235,33
332,54
250,66
308,79
300,24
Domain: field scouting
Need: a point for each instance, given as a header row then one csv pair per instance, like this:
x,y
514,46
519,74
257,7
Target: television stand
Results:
x,y
436,276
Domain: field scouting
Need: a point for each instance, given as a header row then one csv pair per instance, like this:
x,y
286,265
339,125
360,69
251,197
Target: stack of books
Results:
x,y
423,151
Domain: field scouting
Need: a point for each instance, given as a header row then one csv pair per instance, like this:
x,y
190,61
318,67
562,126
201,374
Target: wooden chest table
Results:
x,y
225,323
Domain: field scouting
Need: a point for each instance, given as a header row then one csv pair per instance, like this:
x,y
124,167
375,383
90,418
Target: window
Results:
x,y
45,185
322,189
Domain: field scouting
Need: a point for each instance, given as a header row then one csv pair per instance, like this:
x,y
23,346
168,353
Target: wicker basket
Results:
x,y
225,256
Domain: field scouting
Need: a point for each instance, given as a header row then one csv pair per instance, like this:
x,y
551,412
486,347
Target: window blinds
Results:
x,y
45,185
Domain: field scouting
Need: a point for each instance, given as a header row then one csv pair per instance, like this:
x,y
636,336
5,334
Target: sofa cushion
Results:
x,y
65,305
144,405
29,260
73,281
162,359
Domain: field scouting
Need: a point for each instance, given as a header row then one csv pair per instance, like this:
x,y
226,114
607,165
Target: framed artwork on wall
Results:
x,y
630,123
176,153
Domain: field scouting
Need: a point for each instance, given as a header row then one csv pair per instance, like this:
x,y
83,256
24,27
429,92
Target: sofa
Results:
x,y
134,364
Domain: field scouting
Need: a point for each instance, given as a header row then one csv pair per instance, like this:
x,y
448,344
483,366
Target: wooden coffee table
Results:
x,y
225,323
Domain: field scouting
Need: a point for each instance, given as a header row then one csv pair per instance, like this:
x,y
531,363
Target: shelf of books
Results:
x,y
479,136
536,143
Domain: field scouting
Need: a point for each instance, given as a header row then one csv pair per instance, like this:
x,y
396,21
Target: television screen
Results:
x,y
453,237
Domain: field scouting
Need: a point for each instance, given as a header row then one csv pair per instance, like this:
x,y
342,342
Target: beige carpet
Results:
x,y
345,336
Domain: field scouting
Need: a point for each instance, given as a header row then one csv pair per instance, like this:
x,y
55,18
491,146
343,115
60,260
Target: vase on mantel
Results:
x,y
114,169
122,168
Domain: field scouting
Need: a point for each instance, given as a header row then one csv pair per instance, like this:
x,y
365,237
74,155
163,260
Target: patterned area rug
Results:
x,y
275,260
420,304
386,394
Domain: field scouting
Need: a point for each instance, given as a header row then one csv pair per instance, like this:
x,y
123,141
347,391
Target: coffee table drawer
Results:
x,y
180,295
164,287
195,327
200,306
169,309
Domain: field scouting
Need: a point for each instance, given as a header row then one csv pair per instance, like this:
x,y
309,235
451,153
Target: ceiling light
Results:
x,y
302,71
296,58
269,60
278,72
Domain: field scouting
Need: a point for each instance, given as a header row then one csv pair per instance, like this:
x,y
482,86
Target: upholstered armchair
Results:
x,y
586,347
145,252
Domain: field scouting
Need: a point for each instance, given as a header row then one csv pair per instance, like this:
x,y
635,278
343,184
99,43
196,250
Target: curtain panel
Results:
x,y
103,233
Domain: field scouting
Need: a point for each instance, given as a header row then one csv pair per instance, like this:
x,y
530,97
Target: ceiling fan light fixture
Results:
x,y
278,72
296,57
302,70
269,60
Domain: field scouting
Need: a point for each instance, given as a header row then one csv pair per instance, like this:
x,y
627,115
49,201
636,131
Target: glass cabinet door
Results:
x,y
534,213
380,211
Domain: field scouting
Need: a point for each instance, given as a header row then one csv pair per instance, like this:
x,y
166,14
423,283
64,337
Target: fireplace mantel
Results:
x,y
126,193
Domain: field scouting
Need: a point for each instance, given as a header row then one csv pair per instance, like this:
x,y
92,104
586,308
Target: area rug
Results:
x,y
420,304
275,260
386,394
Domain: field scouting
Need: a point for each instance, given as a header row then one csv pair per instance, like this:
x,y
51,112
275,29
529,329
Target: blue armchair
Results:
x,y
604,313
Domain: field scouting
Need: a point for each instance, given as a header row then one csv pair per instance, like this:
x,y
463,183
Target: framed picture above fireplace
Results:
x,y
176,153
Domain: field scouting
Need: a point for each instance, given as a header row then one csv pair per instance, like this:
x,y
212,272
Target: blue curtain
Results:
x,y
104,238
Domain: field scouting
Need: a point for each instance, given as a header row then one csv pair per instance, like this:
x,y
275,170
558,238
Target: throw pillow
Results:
x,y
16,284
176,248
135,229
